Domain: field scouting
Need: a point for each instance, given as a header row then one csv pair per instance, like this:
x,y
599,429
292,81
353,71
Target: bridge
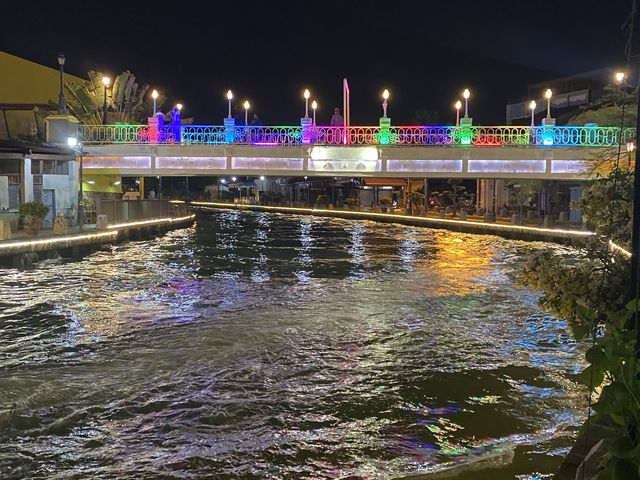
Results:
x,y
539,152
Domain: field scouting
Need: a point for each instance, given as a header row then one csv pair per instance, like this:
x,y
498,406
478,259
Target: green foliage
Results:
x,y
592,281
271,198
352,202
322,200
416,198
607,110
613,362
607,203
33,210
426,117
127,100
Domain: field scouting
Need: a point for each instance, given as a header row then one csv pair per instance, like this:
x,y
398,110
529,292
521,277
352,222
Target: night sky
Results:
x,y
424,52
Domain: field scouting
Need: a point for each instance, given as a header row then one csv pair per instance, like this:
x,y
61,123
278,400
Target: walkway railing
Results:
x,y
561,136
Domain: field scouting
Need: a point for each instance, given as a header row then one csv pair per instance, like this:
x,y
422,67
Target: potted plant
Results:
x,y
352,202
385,202
33,214
416,200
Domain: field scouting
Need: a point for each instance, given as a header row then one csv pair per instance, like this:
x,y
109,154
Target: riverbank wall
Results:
x,y
514,232
25,251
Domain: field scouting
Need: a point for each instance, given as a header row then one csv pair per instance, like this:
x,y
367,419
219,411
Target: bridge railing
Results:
x,y
562,136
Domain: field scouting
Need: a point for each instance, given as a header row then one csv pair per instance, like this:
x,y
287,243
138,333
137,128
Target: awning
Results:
x,y
385,182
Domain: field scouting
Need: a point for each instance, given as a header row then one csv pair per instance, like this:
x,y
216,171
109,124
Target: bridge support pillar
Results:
x,y
153,129
385,132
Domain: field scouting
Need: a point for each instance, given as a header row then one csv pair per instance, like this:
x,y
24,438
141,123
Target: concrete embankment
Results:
x,y
23,251
515,232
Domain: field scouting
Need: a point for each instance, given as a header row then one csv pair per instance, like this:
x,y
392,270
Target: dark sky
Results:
x,y
424,52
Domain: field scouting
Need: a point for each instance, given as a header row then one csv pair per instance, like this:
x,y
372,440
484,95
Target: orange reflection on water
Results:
x,y
459,260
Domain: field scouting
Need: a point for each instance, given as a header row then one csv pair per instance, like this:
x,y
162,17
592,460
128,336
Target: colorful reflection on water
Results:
x,y
266,346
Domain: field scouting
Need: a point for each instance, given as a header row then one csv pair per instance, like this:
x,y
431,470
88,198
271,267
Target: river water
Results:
x,y
255,345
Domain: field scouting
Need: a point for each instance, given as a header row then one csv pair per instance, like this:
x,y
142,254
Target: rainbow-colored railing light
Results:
x,y
284,136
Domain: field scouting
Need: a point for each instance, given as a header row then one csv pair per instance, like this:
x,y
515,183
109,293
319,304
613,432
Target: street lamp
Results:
x,y
307,94
620,76
466,94
262,178
179,106
105,111
314,106
532,106
385,97
458,106
62,102
246,112
154,95
548,94
229,97
72,142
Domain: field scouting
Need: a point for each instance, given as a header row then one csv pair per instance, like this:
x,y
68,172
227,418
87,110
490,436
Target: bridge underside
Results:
x,y
556,163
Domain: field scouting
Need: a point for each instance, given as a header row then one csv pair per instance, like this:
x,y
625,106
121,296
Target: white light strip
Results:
x,y
152,222
496,226
9,245
617,248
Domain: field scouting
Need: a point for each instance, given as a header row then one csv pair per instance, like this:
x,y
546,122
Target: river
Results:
x,y
266,346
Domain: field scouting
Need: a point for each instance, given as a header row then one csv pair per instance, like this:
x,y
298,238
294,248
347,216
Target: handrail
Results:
x,y
521,136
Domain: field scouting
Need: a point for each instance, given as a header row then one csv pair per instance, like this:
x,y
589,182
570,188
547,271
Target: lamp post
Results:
x,y
105,110
179,106
246,105
229,98
314,106
620,76
548,94
72,142
458,106
154,95
532,106
466,94
385,97
62,102
307,94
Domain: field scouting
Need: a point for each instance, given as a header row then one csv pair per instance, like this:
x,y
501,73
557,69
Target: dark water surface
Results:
x,y
264,346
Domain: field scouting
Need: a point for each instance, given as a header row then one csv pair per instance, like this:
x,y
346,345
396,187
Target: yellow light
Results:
x,y
229,95
620,77
246,105
152,222
314,104
385,94
9,245
426,220
307,94
631,147
458,105
466,93
179,106
154,94
532,104
106,81
548,93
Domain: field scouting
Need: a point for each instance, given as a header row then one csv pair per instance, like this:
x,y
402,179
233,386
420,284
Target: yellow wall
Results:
x,y
104,183
23,81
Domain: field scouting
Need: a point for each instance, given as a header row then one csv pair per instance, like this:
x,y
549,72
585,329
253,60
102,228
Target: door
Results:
x,y
49,199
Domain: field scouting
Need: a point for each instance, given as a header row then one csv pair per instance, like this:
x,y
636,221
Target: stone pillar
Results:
x,y
385,132
153,129
306,123
59,128
548,125
229,130
466,135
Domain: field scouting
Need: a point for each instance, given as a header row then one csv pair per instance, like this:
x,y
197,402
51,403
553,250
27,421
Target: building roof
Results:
x,y
11,146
